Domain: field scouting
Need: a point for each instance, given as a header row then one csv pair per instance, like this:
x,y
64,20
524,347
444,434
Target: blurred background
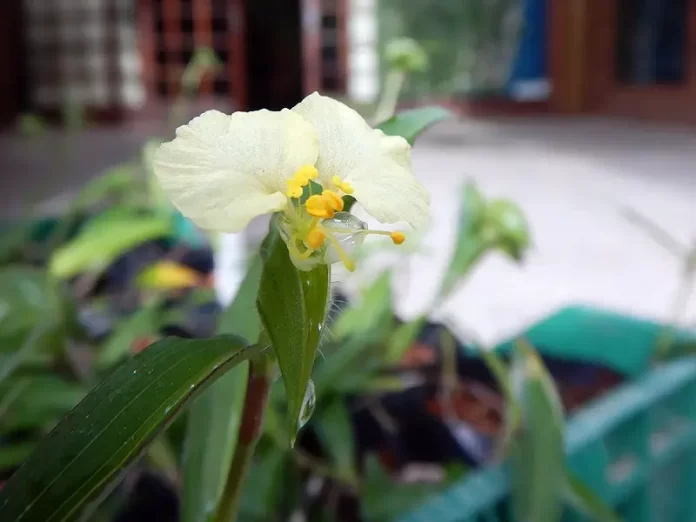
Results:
x,y
581,112
575,109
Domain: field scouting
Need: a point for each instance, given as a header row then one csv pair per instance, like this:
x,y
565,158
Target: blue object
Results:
x,y
529,77
188,233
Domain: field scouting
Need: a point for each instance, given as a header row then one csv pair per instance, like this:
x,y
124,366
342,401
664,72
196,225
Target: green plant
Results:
x,y
469,44
117,419
686,256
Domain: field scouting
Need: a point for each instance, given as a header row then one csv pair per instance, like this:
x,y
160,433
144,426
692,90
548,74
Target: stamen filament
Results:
x,y
349,264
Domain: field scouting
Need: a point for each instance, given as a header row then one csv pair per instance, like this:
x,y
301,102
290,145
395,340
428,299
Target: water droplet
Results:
x,y
308,404
135,371
192,386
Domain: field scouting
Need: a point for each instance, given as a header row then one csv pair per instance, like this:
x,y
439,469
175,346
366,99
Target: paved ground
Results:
x,y
573,178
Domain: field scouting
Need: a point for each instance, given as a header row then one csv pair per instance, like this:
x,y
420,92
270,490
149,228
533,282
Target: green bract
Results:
x,y
293,305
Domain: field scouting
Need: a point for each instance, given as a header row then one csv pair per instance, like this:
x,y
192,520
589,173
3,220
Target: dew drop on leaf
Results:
x,y
308,404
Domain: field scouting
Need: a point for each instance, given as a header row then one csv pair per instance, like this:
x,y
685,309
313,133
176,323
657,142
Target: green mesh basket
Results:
x,y
624,343
635,446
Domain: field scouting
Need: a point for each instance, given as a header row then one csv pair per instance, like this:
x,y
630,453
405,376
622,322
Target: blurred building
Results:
x,y
121,58
125,58
633,58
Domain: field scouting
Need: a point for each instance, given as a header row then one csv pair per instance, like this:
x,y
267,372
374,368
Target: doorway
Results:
x,y
629,58
274,54
13,88
651,42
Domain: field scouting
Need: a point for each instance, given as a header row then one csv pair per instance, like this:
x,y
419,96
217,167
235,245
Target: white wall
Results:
x,y
363,58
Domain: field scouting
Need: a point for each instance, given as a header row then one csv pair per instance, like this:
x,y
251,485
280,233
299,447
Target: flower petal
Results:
x,y
377,166
222,170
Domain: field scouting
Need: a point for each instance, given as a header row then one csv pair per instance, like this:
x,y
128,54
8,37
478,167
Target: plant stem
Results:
x,y
390,95
255,402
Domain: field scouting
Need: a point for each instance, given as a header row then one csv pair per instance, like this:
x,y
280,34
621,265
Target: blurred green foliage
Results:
x,y
469,44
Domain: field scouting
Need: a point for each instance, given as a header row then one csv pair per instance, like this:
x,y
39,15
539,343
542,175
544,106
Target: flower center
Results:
x,y
315,222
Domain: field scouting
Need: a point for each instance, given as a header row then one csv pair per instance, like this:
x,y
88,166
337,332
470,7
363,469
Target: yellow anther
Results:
x,y
315,238
324,205
398,237
318,206
333,199
305,173
342,185
294,189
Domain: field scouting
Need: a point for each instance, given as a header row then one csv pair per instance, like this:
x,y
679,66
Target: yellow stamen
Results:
x,y
294,189
324,205
333,199
398,237
315,238
300,179
342,185
306,173
318,206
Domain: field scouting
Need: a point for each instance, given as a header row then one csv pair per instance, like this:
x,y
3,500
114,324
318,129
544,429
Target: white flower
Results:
x,y
222,171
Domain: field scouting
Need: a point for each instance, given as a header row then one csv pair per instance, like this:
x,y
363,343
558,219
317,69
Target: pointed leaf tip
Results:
x,y
293,306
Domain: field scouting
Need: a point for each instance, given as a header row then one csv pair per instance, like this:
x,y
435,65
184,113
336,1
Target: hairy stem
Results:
x,y
255,402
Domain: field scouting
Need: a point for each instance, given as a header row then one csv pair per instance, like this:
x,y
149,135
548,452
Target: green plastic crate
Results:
x,y
636,446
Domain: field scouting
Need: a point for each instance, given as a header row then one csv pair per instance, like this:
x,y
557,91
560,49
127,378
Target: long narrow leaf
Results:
x,y
214,418
537,454
412,123
587,502
111,427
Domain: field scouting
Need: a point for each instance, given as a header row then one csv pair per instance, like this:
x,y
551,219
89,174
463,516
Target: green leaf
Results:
x,y
506,227
214,418
537,453
119,345
42,401
12,455
31,329
469,246
25,301
587,502
31,348
113,425
293,306
335,430
513,411
272,476
104,239
402,339
412,123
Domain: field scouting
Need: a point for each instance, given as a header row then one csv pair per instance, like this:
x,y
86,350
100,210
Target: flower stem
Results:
x,y
390,95
255,402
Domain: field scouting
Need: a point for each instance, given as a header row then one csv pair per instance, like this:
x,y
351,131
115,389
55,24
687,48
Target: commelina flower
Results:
x,y
222,171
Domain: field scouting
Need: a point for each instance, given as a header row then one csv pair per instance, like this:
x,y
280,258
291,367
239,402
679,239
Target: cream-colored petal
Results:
x,y
222,170
377,166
